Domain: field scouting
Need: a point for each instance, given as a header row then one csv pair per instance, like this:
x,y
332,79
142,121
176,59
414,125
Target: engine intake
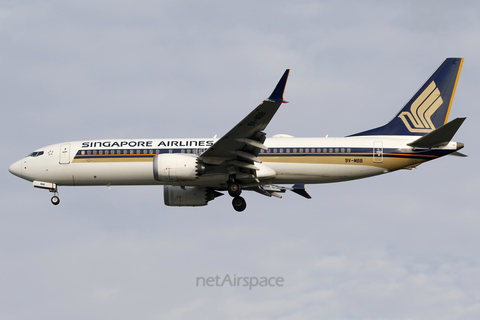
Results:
x,y
176,167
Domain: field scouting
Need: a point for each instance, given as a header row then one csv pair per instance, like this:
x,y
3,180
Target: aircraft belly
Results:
x,y
321,173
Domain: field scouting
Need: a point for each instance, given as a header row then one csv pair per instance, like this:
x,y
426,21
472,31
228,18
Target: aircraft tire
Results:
x,y
234,189
55,200
239,204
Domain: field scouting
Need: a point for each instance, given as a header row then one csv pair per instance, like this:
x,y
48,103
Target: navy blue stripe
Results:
x,y
354,152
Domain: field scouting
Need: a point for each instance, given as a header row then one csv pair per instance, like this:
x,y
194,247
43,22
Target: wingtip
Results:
x,y
277,94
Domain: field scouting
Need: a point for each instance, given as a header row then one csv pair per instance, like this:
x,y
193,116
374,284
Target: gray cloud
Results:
x,y
400,246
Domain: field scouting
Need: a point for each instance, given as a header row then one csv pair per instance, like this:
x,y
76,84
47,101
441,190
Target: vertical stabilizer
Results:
x,y
429,107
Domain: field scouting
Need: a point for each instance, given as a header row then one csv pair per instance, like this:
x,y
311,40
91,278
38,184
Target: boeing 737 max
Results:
x,y
194,171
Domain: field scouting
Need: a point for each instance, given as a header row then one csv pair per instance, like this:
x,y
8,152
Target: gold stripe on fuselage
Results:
x,y
392,162
122,159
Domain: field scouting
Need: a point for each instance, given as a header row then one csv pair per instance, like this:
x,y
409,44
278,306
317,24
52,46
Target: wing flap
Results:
x,y
273,190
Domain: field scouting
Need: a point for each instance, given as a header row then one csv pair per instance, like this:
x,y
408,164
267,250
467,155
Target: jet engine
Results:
x,y
176,167
188,196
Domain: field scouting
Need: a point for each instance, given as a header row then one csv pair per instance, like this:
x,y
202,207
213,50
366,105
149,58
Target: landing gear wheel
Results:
x,y
55,200
239,204
234,189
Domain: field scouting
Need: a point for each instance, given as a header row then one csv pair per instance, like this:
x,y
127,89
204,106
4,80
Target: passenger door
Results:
x,y
65,154
378,151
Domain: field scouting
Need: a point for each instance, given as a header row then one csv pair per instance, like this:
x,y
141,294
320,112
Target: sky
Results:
x,y
397,246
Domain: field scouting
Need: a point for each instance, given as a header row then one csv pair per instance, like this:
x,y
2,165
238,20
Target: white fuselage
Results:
x,y
288,160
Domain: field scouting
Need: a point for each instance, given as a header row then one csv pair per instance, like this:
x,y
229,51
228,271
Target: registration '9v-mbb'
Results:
x,y
196,171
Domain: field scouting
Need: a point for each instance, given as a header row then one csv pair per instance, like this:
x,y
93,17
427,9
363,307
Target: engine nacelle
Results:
x,y
188,196
176,167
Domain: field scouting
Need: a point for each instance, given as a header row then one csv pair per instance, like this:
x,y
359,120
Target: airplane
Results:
x,y
196,171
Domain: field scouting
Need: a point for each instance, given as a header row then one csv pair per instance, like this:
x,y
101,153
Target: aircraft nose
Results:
x,y
16,168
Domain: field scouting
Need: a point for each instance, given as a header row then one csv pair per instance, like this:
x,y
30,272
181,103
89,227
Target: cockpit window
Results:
x,y
35,154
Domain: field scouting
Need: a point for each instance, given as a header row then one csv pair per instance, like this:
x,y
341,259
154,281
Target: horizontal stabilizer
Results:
x,y
458,154
438,137
300,190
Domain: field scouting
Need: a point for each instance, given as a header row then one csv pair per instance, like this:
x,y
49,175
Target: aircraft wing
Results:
x,y
243,143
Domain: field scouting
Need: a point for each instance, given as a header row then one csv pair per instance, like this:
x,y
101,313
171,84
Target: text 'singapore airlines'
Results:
x,y
196,171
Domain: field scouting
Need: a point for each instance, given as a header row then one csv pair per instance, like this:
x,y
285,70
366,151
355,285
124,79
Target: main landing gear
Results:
x,y
239,204
234,190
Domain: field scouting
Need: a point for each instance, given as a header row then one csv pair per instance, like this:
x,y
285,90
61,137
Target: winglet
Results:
x,y
277,94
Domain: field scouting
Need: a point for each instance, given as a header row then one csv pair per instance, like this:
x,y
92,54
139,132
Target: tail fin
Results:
x,y
429,107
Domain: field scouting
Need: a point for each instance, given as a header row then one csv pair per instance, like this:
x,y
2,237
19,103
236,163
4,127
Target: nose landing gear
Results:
x,y
55,199
50,186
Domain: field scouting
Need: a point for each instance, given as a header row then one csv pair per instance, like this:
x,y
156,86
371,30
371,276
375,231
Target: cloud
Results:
x,y
399,246
104,294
